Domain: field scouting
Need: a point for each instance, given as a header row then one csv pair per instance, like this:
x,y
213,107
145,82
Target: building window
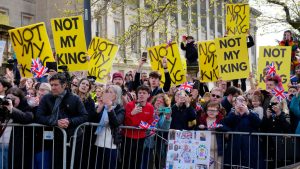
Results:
x,y
134,43
3,11
117,30
27,19
149,38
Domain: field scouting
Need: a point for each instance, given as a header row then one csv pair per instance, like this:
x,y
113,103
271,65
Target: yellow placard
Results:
x,y
102,53
232,57
69,41
209,70
281,56
237,19
31,42
175,67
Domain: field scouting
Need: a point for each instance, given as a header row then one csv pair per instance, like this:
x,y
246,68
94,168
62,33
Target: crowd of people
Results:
x,y
137,100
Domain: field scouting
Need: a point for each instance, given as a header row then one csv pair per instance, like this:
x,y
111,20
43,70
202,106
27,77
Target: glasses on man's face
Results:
x,y
216,96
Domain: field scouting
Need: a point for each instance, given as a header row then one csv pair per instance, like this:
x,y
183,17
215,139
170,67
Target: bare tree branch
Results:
x,y
294,24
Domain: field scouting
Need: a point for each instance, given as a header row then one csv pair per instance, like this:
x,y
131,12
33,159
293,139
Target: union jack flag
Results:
x,y
151,127
187,86
271,70
37,68
279,93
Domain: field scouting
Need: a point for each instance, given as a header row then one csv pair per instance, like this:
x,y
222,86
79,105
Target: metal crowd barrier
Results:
x,y
33,146
228,150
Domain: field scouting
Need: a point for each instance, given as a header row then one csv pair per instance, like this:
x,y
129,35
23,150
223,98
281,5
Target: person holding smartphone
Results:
x,y
135,113
242,150
183,115
154,79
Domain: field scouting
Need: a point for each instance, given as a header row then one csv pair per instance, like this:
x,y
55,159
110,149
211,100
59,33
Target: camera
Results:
x,y
165,110
270,107
4,112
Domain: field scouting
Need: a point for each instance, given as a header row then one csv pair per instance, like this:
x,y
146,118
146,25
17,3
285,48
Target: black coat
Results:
x,y
89,151
71,107
182,116
21,137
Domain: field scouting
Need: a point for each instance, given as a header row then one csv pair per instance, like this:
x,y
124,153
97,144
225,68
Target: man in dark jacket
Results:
x,y
61,109
191,53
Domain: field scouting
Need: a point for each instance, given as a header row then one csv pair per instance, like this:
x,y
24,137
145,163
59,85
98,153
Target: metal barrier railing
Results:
x,y
33,146
229,150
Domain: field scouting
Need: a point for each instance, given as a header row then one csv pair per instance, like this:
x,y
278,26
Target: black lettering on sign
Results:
x,y
68,41
24,39
261,78
157,54
277,63
274,52
209,75
101,56
65,24
233,42
237,14
24,69
71,58
233,67
230,54
177,76
209,52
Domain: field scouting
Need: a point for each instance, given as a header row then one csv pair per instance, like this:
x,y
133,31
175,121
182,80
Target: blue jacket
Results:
x,y
295,108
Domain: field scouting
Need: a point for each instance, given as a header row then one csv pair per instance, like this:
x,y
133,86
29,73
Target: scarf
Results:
x,y
54,115
104,120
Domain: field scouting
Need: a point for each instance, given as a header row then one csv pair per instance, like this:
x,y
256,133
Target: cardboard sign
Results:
x,y
237,19
31,42
102,53
233,58
209,70
281,56
69,41
175,67
189,150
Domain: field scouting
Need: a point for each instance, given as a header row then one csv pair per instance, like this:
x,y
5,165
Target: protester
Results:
x,y
154,79
133,140
19,112
117,79
212,121
256,105
155,144
275,122
74,84
191,53
183,115
83,91
109,119
242,150
295,108
231,93
63,109
4,86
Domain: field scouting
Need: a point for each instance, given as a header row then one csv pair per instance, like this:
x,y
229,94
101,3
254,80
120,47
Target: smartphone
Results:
x,y
144,56
165,110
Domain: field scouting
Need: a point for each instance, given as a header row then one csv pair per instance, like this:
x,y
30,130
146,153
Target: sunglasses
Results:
x,y
217,96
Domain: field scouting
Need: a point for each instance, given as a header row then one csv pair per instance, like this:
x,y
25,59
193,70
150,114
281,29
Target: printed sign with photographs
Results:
x,y
188,149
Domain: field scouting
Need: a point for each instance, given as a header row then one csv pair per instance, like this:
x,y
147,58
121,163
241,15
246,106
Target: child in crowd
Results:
x,y
257,108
